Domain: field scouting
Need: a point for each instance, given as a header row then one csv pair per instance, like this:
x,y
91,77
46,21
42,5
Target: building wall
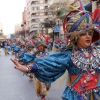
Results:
x,y
24,25
24,15
18,28
36,13
1,28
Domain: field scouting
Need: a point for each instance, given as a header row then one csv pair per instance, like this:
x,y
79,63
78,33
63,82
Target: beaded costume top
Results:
x,y
84,71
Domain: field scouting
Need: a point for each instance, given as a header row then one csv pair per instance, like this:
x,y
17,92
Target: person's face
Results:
x,y
30,48
41,48
85,39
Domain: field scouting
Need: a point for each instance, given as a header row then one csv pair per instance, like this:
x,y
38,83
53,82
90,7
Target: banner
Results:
x,y
56,28
11,36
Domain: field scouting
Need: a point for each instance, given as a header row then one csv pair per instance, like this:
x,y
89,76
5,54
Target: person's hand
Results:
x,y
19,66
14,61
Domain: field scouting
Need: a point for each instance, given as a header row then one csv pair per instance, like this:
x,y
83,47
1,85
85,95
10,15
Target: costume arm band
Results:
x,y
34,68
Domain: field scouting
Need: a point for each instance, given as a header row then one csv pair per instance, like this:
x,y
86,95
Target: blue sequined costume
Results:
x,y
53,66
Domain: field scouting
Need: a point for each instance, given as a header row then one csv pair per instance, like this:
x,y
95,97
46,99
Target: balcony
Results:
x,y
33,29
32,1
34,11
38,5
38,11
39,17
35,24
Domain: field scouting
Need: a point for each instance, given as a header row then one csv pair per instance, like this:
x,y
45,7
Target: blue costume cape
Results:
x,y
53,66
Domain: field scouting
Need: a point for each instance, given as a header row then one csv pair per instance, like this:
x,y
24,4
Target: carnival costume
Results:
x,y
41,88
84,72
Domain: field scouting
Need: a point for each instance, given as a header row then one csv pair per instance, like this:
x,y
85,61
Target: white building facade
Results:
x,y
1,28
36,13
18,28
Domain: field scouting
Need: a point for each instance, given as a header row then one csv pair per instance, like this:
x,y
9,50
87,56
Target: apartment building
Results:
x,y
24,15
36,13
18,28
1,28
23,24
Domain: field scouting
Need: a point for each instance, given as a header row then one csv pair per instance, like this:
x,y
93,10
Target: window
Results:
x,y
41,7
36,2
41,20
46,1
35,8
46,13
41,1
41,13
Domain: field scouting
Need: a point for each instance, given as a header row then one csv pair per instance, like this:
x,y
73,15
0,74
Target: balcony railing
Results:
x,y
38,5
39,16
32,0
34,24
38,11
33,29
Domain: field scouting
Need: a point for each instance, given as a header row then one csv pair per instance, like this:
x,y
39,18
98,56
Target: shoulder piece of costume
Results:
x,y
16,49
82,85
86,63
28,57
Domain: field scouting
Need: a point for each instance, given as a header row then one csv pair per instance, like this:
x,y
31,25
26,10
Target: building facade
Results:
x,y
24,15
1,28
22,26
36,12
18,28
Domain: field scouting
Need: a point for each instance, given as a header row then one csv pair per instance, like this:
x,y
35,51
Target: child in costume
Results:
x,y
81,59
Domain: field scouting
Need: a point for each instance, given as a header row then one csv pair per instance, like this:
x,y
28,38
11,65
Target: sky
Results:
x,y
10,14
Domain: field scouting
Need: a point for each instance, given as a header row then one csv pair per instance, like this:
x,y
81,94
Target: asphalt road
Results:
x,y
15,86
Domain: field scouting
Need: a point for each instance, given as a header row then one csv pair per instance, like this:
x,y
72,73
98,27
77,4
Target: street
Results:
x,y
15,86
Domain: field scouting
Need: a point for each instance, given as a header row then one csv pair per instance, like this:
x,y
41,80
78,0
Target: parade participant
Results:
x,y
41,49
30,51
0,51
16,50
41,88
49,47
12,45
21,53
6,50
81,59
30,48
